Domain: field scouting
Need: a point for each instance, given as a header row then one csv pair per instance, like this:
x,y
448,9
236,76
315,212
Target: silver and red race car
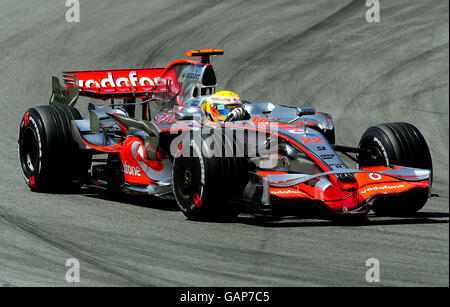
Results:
x,y
149,134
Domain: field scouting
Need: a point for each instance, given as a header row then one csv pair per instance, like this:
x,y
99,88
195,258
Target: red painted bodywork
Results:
x,y
130,161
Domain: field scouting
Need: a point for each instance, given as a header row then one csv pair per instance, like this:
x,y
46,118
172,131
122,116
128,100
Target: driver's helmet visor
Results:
x,y
224,109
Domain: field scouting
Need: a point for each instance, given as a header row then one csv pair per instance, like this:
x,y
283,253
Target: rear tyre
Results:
x,y
204,184
49,158
399,144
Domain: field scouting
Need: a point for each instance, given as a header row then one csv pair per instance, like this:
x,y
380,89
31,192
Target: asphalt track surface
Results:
x,y
315,53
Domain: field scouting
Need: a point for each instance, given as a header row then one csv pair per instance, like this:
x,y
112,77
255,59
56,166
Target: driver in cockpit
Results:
x,y
224,106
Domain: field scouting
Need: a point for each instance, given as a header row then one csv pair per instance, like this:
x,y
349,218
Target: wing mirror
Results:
x,y
306,111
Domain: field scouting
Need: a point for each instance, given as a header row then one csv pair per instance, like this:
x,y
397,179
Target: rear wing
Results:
x,y
132,83
106,84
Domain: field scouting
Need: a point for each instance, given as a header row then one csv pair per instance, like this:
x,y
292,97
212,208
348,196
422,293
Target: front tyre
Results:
x,y
49,158
399,144
203,184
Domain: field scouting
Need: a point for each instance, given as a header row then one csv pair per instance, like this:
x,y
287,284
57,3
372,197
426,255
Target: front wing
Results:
x,y
371,183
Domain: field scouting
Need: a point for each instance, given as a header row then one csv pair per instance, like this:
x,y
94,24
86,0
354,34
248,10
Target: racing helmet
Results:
x,y
217,106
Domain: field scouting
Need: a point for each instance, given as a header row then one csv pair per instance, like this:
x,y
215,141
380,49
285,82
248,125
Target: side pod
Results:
x,y
151,132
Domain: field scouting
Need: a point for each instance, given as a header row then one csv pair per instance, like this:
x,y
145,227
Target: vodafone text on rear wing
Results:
x,y
114,83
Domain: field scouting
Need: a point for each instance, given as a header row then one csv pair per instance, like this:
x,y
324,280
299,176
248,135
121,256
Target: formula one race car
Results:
x,y
172,136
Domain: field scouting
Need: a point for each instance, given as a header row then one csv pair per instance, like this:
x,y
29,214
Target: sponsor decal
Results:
x,y
32,182
383,188
39,141
139,80
311,140
297,131
131,170
382,149
286,192
345,176
327,157
198,201
122,82
155,170
374,176
26,119
222,99
257,120
302,123
193,75
29,163
165,118
337,166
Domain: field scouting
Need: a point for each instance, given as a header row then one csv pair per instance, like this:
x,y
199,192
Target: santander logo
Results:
x,y
131,170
